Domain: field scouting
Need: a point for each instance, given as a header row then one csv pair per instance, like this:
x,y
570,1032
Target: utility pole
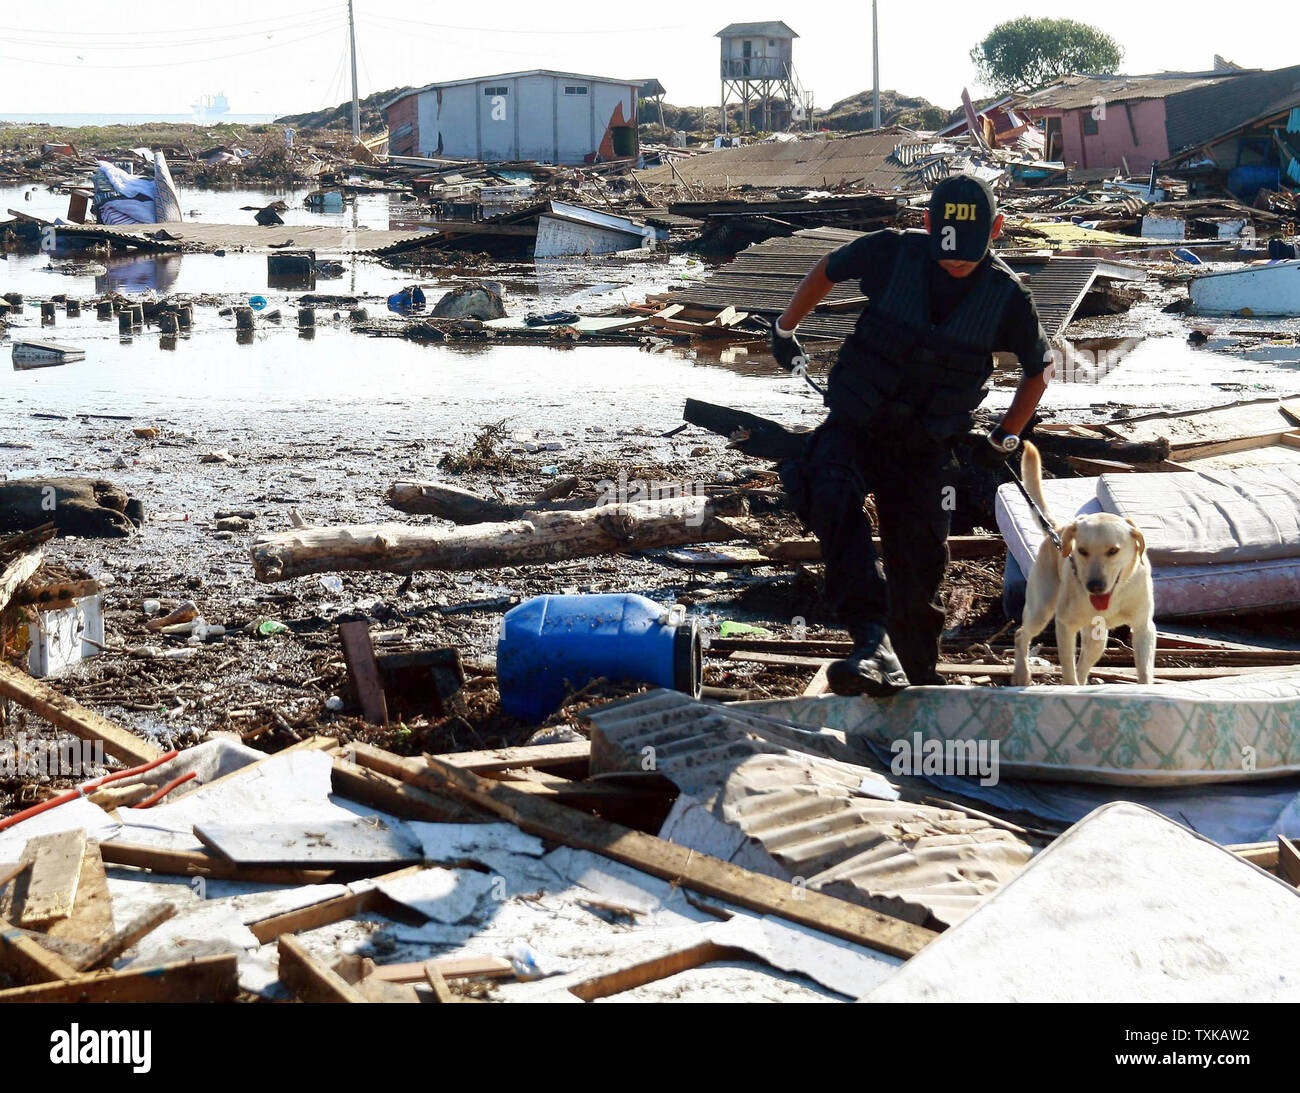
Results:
x,y
875,68
356,103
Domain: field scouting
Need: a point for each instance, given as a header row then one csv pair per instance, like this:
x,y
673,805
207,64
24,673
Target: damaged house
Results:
x,y
541,115
1108,122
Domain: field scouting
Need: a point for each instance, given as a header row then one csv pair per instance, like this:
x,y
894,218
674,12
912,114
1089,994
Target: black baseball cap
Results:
x,y
962,210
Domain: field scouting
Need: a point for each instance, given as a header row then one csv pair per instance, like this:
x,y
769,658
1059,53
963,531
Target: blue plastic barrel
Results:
x,y
552,644
1246,182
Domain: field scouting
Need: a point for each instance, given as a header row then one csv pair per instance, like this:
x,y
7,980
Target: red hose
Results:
x,y
155,798
80,791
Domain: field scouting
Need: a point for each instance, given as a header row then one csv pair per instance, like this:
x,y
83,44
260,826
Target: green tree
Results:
x,y
1026,53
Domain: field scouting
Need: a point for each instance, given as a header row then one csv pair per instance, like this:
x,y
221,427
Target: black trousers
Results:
x,y
913,479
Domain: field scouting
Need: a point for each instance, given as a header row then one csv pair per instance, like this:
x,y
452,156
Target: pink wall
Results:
x,y
1113,142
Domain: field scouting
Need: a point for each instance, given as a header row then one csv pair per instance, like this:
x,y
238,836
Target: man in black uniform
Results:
x,y
901,395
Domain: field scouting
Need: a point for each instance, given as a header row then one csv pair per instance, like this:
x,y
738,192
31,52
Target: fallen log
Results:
x,y
1101,447
542,537
755,436
466,507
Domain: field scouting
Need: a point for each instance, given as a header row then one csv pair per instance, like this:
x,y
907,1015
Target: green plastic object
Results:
x,y
732,629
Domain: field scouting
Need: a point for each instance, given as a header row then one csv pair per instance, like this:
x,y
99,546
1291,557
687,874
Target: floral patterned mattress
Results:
x,y
1221,730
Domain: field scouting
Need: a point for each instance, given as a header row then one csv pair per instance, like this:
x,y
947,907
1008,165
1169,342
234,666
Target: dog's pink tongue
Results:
x,y
1101,602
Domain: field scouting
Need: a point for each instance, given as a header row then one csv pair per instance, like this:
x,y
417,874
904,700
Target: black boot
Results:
x,y
871,669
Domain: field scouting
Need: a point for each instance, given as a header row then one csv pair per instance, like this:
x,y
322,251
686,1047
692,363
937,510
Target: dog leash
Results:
x,y
1042,519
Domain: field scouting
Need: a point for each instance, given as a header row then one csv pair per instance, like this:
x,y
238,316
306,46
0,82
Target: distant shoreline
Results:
x,y
76,121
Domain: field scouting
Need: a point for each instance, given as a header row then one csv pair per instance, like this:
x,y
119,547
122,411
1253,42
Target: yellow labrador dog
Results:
x,y
1098,580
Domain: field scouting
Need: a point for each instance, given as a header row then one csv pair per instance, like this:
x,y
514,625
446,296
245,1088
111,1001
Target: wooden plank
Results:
x,y
203,979
91,920
310,980
11,869
117,943
682,866
449,967
363,671
199,863
16,573
1288,860
1262,854
370,787
56,872
62,712
25,960
327,911
437,982
538,756
819,684
661,967
1185,453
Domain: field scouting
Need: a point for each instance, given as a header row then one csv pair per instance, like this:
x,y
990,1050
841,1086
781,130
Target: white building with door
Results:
x,y
539,115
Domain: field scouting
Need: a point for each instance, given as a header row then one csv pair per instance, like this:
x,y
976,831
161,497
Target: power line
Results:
x,y
530,33
91,47
170,64
288,20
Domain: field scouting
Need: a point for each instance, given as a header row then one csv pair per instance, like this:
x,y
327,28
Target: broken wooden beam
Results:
x,y
327,911
756,436
571,754
308,978
1288,861
199,863
650,971
27,960
363,671
52,882
370,787
681,865
543,537
66,714
14,575
203,979
117,943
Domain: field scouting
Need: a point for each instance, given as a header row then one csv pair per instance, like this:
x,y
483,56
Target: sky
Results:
x,y
289,56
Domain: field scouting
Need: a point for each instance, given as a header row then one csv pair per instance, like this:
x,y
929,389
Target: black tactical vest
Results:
x,y
900,372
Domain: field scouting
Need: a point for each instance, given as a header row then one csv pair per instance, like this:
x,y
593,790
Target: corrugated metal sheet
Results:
x,y
806,164
800,804
762,278
1204,112
1077,92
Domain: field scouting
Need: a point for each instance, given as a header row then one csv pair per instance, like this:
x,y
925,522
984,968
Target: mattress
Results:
x,y
1233,729
1245,514
1126,906
1181,588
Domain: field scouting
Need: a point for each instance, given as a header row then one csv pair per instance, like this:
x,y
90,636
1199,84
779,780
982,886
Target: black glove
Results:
x,y
992,450
789,353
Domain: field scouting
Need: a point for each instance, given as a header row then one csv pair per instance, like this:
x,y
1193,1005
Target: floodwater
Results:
x,y
1141,360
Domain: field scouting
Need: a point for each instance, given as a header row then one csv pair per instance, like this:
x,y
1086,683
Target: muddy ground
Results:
x,y
323,426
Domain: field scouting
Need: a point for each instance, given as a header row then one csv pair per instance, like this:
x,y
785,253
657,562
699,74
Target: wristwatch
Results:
x,y
1003,440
